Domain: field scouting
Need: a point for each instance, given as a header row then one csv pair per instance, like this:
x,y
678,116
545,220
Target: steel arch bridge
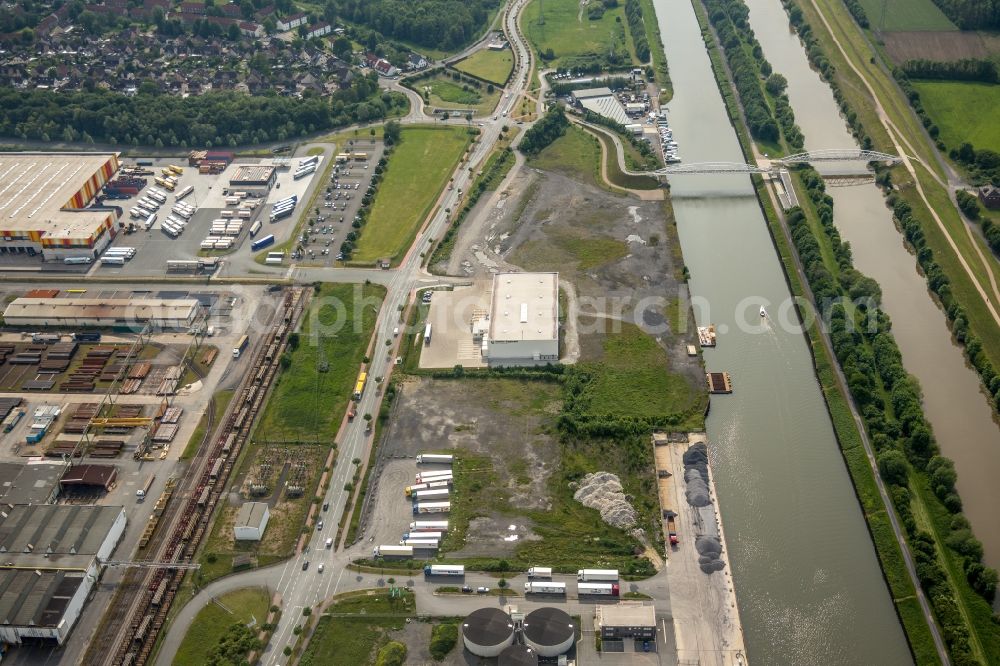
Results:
x,y
828,155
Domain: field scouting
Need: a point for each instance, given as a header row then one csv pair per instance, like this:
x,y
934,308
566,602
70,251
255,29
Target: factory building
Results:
x,y
43,204
523,325
50,563
251,521
32,483
132,313
628,619
257,179
487,632
602,102
549,631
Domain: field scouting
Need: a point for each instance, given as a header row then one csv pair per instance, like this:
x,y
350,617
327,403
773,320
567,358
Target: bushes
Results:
x,y
967,69
392,653
633,12
858,12
545,131
443,640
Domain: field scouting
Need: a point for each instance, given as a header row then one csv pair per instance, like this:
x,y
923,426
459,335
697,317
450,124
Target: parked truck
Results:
x,y
438,475
421,544
444,570
548,587
241,346
140,493
540,572
429,525
672,530
423,535
431,507
435,494
597,589
430,485
587,575
435,459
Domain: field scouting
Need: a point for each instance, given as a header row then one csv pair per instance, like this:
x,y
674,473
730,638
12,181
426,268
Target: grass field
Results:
x,y
566,30
418,171
902,15
308,405
575,154
213,621
488,65
356,640
633,379
964,111
443,92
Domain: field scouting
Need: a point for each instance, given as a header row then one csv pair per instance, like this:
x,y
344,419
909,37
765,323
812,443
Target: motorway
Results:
x,y
297,588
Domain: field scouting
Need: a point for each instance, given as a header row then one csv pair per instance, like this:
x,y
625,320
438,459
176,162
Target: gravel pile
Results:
x,y
696,475
710,552
603,491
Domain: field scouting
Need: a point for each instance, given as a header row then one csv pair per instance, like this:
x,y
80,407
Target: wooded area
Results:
x,y
439,24
213,119
972,14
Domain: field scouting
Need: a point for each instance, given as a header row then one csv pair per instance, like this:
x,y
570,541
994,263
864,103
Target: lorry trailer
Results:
x,y
439,475
586,575
241,346
444,570
263,242
186,191
430,485
141,493
435,458
597,589
436,494
540,572
392,551
421,544
429,525
547,587
431,507
413,534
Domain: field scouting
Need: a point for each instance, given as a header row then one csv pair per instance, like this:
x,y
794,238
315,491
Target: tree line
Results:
x,y
210,120
636,25
967,69
552,126
729,18
858,12
890,401
972,14
969,204
439,24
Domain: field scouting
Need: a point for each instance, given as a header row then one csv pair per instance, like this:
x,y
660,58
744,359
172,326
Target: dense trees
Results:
x,y
633,12
967,69
440,24
858,12
545,131
972,14
214,119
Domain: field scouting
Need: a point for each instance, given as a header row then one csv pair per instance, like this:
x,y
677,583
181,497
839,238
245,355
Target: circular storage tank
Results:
x,y
487,632
549,631
518,655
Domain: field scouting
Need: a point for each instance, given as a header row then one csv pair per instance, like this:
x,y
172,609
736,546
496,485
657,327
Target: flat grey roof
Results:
x,y
525,307
586,93
251,514
626,614
117,309
53,536
29,484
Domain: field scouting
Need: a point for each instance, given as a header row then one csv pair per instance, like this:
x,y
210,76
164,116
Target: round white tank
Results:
x,y
549,631
487,632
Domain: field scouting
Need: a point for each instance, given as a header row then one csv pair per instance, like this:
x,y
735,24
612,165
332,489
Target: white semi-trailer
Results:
x,y
597,589
587,575
540,572
429,525
547,587
392,551
444,570
431,507
435,458
436,494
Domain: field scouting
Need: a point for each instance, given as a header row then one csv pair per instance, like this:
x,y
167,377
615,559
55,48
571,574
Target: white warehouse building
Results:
x,y
251,521
523,325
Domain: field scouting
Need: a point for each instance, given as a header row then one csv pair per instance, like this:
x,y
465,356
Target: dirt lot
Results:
x,y
940,45
501,424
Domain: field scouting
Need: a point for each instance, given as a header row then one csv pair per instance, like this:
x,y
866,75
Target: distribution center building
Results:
x,y
51,559
524,320
44,199
162,313
254,177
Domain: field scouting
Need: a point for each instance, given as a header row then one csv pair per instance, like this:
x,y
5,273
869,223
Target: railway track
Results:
x,y
139,608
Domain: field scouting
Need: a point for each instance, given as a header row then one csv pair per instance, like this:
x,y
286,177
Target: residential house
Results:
x,y
318,30
291,22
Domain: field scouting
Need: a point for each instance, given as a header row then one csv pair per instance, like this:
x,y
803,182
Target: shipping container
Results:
x,y
435,458
444,570
548,587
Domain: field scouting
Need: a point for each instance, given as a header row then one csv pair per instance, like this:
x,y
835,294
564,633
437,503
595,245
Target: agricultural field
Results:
x,y
418,170
308,403
903,15
213,621
941,45
444,92
563,27
963,111
488,65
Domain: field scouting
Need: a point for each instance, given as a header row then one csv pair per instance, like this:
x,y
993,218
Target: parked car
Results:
x,y
305,565
479,590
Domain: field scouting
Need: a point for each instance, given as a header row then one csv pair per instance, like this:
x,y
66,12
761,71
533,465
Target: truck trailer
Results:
x,y
430,485
547,587
437,475
421,544
444,570
540,572
431,507
387,551
429,525
597,589
587,575
435,459
413,534
435,494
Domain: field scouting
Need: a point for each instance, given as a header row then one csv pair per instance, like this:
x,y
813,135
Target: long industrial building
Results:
x,y
49,563
523,325
44,199
132,313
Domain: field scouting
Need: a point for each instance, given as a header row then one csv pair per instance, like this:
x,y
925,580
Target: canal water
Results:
x,y
808,583
953,401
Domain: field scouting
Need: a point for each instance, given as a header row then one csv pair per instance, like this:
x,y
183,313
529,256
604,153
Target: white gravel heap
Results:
x,y
603,491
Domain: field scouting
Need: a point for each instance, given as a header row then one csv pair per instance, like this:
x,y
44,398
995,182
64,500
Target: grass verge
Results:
x,y
352,630
216,408
203,640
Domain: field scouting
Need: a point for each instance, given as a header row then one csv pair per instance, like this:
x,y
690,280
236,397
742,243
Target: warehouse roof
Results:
x,y
251,514
38,186
90,475
54,536
35,483
525,306
36,598
626,614
587,93
118,309
252,174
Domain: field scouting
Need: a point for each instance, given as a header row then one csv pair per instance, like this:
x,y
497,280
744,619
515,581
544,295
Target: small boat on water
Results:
x,y
763,312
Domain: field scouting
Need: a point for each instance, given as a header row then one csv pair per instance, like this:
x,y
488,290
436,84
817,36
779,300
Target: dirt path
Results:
x,y
899,142
645,195
572,335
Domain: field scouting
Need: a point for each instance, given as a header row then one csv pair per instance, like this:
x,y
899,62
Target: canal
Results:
x,y
808,583
953,401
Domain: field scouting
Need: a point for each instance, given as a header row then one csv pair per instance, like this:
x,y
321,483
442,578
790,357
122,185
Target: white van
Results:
x,y
329,543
